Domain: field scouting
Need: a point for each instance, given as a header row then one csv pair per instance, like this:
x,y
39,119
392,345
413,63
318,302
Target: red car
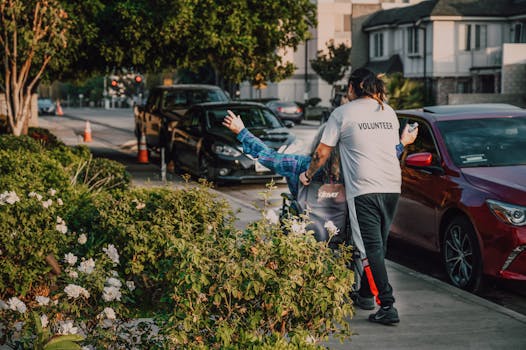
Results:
x,y
464,190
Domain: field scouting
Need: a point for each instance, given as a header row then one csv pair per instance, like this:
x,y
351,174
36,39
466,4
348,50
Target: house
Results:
x,y
453,46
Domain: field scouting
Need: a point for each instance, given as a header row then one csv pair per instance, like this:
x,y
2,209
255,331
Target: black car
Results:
x,y
202,146
167,104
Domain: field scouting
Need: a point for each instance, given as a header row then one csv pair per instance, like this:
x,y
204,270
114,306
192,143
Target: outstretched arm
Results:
x,y
284,164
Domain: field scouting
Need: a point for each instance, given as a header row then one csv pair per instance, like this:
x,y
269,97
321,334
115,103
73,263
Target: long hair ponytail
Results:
x,y
366,83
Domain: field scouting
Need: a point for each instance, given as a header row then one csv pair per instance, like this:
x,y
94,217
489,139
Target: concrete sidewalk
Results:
x,y
434,315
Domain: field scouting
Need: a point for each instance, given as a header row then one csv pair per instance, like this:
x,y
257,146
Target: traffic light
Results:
x,y
114,83
138,79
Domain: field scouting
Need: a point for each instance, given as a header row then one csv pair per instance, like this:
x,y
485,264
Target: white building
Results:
x,y
335,21
455,46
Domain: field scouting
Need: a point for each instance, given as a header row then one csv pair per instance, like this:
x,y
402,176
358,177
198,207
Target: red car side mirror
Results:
x,y
419,159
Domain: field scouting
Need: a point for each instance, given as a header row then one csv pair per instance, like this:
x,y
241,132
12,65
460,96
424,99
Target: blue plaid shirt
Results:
x,y
288,165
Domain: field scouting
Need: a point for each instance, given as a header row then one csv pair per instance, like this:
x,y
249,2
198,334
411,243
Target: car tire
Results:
x,y
204,168
461,254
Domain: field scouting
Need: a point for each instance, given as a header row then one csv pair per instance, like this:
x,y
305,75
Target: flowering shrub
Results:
x,y
85,303
143,223
31,229
258,289
155,268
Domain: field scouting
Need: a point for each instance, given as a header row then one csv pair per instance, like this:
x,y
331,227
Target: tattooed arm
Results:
x,y
319,158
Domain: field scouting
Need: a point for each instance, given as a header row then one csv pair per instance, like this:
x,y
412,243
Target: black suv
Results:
x,y
166,106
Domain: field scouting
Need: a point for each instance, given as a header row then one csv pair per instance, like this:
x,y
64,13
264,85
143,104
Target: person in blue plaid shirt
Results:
x,y
291,165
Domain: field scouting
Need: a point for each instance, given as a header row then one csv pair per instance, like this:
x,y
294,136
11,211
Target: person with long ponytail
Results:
x,y
366,132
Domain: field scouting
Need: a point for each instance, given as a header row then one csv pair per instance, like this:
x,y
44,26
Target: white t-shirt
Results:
x,y
368,136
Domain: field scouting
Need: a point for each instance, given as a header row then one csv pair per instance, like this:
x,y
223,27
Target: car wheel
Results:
x,y
204,168
461,254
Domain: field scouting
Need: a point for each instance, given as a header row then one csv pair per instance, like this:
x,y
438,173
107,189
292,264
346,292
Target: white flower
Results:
x,y
111,293
112,253
44,321
73,291
73,274
88,347
9,198
82,239
109,313
47,204
113,282
66,327
298,227
331,228
52,192
34,194
42,300
130,285
3,305
59,201
87,266
16,304
70,258
138,204
61,228
271,216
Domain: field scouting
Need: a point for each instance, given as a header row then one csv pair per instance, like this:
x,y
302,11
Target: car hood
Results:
x,y
507,182
274,138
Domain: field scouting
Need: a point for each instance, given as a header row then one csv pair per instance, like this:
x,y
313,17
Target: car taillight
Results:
x,y
280,109
298,110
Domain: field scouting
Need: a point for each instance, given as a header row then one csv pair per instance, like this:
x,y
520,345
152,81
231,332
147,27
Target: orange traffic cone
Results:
x,y
87,132
59,108
142,155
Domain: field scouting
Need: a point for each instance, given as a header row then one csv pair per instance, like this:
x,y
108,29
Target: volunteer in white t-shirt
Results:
x,y
367,131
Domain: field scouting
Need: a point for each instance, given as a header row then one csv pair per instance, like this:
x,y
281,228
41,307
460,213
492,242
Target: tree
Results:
x,y
332,65
238,42
75,39
32,34
404,93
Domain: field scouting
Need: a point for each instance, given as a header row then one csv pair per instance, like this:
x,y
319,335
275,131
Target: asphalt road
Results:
x,y
112,131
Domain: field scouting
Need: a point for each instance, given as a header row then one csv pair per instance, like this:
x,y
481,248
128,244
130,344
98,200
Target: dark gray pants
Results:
x,y
375,212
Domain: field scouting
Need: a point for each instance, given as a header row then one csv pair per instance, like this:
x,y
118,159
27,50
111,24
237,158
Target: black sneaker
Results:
x,y
385,315
363,302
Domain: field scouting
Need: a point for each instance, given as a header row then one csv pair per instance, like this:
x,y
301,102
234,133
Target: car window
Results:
x,y
253,117
425,141
485,142
184,98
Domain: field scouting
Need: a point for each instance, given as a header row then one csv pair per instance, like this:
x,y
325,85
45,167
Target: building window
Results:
x,y
475,37
517,32
342,23
464,87
378,44
413,46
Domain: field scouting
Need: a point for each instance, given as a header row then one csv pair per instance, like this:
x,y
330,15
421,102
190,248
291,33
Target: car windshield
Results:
x,y
253,117
485,142
184,98
44,102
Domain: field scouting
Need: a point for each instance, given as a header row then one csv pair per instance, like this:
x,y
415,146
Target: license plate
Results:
x,y
260,168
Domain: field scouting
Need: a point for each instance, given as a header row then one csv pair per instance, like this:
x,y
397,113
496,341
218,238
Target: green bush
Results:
x,y
142,223
207,284
25,170
256,289
101,174
214,287
31,228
